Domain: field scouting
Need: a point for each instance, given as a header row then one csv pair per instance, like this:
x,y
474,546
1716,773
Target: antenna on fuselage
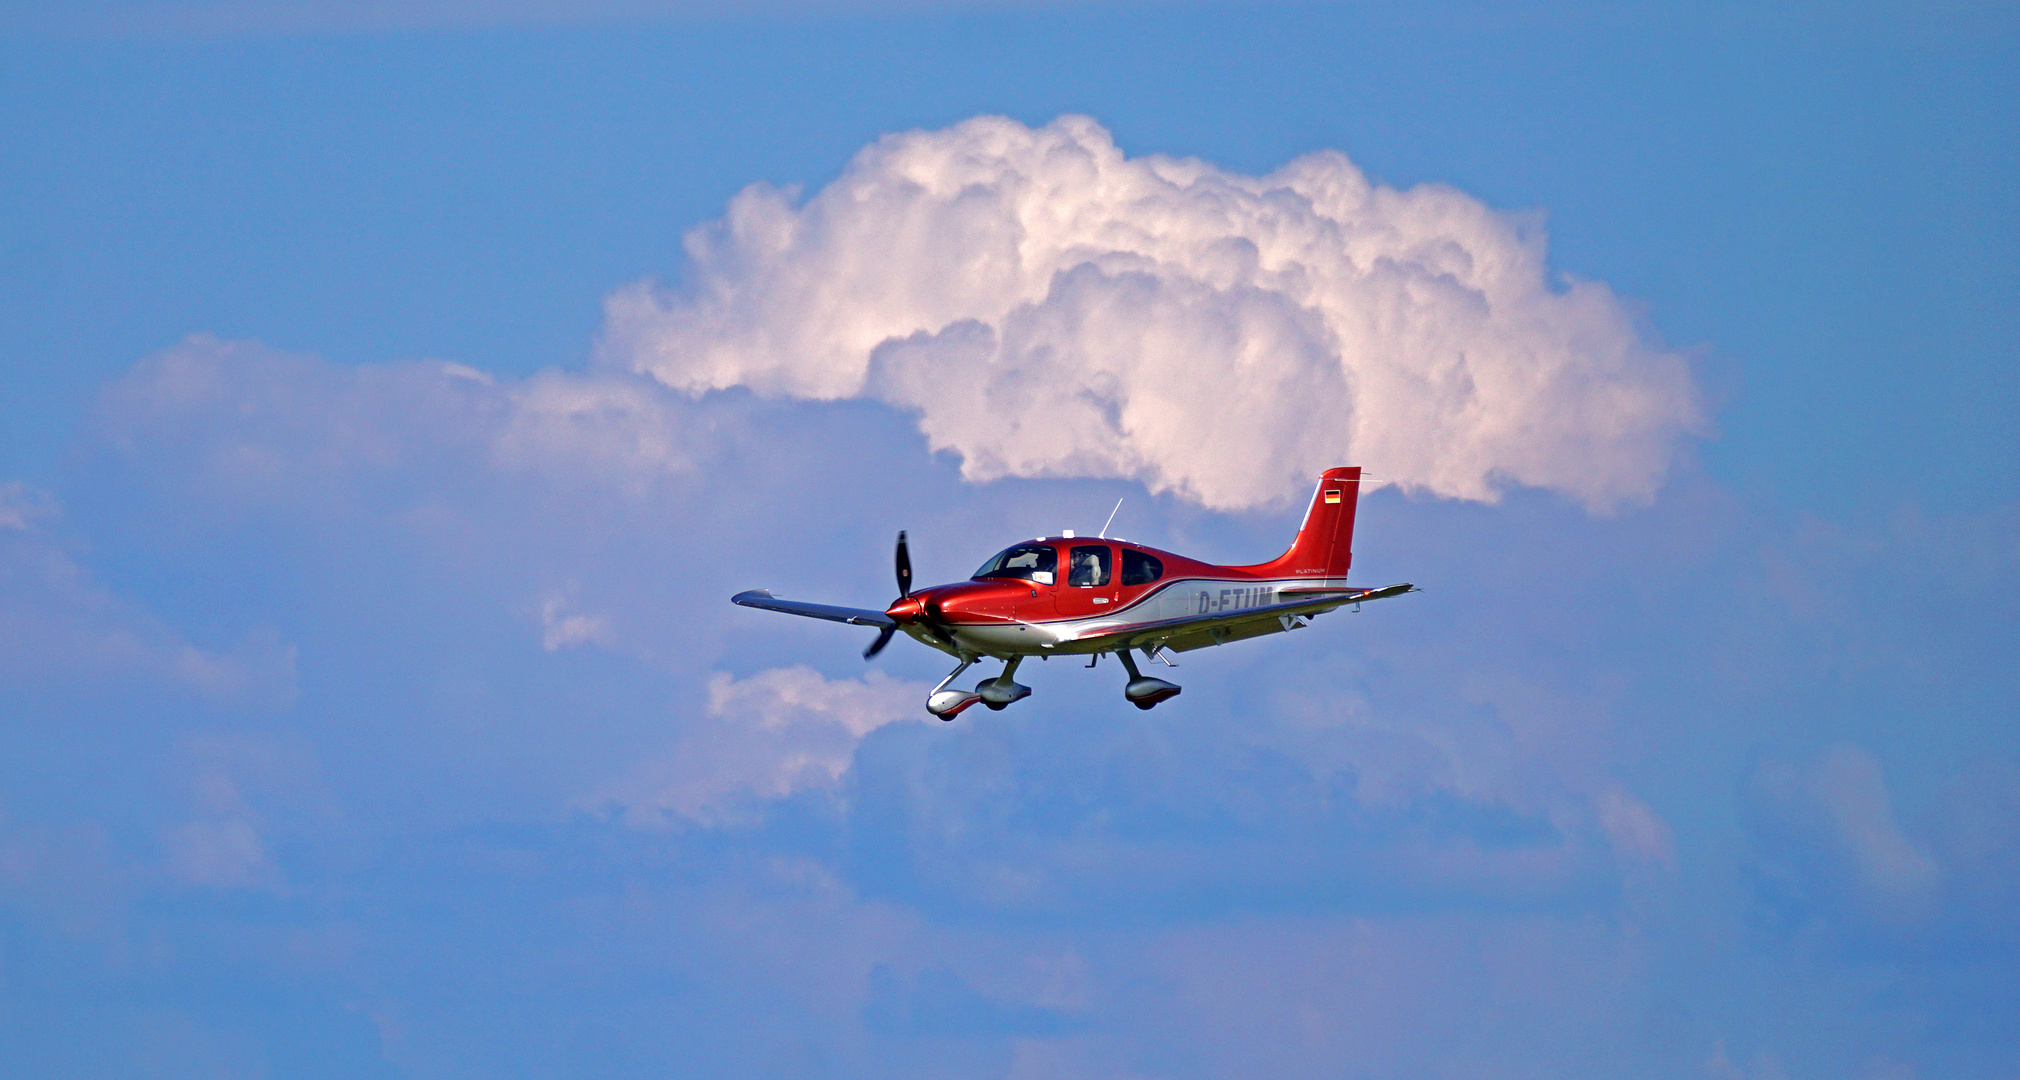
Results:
x,y
1111,520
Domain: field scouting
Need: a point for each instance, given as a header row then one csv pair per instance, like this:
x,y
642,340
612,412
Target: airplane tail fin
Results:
x,y
1324,547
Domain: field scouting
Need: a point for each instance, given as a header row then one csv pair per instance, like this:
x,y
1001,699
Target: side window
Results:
x,y
1088,566
1139,568
1029,562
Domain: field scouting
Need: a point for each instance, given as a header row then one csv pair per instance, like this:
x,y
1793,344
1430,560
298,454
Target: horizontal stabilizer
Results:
x,y
760,598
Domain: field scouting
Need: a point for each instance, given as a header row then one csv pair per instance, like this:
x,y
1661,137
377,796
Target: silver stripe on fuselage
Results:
x,y
1181,598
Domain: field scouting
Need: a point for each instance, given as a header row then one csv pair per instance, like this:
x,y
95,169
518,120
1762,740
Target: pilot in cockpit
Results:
x,y
1085,568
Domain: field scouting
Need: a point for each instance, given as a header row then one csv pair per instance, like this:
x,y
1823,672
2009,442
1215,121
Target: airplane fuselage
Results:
x,y
1077,595
1022,617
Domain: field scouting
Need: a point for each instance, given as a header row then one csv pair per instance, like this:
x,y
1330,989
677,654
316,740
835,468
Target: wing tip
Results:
x,y
1387,591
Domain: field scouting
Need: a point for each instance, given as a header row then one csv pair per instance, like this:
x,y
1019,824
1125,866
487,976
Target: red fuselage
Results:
x,y
1093,588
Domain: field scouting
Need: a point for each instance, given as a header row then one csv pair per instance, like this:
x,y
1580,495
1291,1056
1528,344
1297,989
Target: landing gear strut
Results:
x,y
1143,692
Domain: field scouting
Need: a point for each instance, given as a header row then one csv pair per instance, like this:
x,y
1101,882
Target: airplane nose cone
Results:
x,y
905,609
973,600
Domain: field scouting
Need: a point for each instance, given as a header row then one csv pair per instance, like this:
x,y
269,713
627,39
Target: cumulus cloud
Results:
x,y
767,737
1050,307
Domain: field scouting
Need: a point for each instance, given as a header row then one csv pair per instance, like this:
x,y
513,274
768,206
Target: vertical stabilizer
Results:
x,y
1324,547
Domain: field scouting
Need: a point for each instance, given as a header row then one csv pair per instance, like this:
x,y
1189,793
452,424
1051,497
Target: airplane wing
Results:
x,y
762,598
1198,631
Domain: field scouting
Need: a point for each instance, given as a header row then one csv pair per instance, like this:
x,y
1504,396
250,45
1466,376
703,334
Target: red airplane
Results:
x,y
1116,596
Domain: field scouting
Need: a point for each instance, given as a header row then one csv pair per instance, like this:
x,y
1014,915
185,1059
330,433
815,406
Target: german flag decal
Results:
x,y
1332,496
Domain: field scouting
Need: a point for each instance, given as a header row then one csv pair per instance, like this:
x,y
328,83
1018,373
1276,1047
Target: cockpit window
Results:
x,y
1088,566
1031,562
1139,568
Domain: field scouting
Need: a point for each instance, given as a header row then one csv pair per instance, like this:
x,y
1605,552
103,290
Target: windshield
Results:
x,y
1026,561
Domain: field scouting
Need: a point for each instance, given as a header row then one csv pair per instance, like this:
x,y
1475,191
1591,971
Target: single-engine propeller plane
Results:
x,y
1113,597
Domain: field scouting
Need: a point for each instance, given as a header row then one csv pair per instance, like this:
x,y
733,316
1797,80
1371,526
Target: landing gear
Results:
x,y
1003,691
947,704
1143,692
997,693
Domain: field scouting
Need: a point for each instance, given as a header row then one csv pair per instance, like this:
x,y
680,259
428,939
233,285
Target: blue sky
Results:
x,y
394,397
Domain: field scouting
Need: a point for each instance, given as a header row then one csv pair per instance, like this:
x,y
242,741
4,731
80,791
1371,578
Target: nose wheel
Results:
x,y
948,704
1144,692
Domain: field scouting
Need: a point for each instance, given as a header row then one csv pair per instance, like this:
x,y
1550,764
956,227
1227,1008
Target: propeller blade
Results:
x,y
877,646
904,568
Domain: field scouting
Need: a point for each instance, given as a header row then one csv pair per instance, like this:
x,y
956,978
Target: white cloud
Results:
x,y
561,629
1049,307
776,733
